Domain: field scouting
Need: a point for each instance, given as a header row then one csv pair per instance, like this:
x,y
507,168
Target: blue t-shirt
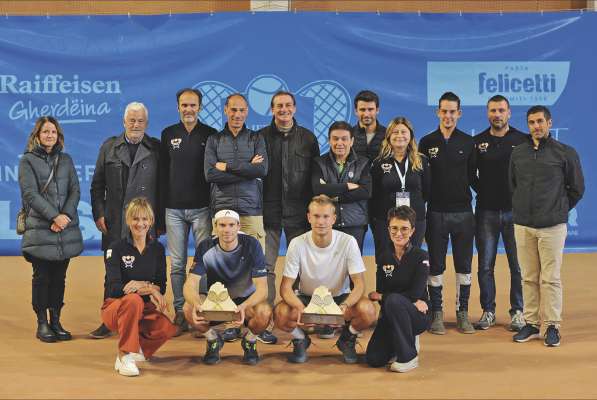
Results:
x,y
234,269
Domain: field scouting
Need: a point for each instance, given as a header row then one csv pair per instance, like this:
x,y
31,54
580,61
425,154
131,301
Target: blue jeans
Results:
x,y
489,226
272,249
178,223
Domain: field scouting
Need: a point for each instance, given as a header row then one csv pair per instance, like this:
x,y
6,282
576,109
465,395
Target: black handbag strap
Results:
x,y
52,173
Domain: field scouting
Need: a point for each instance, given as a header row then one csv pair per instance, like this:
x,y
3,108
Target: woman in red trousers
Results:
x,y
136,270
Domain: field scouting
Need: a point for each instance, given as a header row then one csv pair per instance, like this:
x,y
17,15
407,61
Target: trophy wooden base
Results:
x,y
220,316
322,319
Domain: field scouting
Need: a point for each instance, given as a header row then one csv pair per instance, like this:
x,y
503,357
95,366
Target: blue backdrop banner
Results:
x,y
84,70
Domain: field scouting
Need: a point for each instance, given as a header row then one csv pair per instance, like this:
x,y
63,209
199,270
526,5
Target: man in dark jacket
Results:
x,y
235,164
547,182
344,176
287,186
451,154
126,168
494,210
184,190
368,133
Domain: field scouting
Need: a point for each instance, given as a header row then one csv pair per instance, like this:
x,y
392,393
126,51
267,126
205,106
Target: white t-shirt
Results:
x,y
329,266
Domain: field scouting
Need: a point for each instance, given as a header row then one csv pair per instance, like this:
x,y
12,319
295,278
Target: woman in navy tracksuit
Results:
x,y
402,291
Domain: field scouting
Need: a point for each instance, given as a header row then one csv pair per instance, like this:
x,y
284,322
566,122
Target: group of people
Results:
x,y
238,189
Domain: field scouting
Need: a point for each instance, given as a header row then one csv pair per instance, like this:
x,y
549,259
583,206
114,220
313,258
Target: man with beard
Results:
x,y
184,191
368,133
494,211
547,182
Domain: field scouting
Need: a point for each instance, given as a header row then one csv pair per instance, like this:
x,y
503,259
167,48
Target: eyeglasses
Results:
x,y
402,229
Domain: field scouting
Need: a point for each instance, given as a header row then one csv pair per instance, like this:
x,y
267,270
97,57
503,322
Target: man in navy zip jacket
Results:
x,y
451,154
235,164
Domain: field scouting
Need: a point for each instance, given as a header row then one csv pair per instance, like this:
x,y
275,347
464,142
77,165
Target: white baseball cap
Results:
x,y
227,213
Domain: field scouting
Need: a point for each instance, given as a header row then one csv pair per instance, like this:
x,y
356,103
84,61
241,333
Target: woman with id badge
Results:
x,y
401,177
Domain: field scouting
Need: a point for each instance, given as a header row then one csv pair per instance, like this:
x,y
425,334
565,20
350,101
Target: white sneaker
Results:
x,y
405,367
517,322
138,357
417,344
126,366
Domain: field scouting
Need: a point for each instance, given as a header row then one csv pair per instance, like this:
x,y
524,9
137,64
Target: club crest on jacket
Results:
x,y
128,261
483,147
388,270
175,143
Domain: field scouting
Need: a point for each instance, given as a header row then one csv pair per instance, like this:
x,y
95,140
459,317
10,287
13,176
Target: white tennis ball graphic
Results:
x,y
260,91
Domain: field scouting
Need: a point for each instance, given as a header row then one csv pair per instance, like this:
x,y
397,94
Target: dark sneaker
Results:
x,y
101,332
231,334
251,356
181,323
552,336
299,350
437,323
267,337
463,324
326,332
528,332
486,321
346,344
212,351
517,321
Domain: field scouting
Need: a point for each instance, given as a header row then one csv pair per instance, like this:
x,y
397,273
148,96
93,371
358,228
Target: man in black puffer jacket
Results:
x,y
287,186
547,182
235,164
344,176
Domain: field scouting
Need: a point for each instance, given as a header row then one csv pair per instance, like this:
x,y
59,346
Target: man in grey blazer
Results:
x,y
126,168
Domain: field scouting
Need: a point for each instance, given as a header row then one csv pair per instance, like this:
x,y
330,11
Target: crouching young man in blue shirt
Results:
x,y
237,261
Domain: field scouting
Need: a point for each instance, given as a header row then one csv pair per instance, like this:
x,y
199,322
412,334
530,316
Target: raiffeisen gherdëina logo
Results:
x,y
74,99
523,83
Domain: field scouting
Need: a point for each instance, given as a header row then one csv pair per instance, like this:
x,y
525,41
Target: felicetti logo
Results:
x,y
71,99
524,83
330,102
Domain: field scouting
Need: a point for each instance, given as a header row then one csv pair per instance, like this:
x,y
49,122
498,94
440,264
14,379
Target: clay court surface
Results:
x,y
484,365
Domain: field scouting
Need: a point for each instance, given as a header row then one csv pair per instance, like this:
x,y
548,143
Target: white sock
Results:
x,y
250,336
352,330
211,334
297,333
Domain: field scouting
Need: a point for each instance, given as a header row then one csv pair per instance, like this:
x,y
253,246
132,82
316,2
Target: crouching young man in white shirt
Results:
x,y
327,257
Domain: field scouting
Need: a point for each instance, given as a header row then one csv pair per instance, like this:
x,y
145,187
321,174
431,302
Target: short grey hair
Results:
x,y
136,106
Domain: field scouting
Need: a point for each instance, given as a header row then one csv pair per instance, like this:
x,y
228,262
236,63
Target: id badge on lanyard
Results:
x,y
403,197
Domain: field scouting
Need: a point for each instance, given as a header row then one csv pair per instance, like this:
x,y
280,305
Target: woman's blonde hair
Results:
x,y
33,140
412,150
139,206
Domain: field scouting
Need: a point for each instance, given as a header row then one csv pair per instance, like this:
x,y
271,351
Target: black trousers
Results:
x,y
47,284
459,227
394,335
381,236
357,232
